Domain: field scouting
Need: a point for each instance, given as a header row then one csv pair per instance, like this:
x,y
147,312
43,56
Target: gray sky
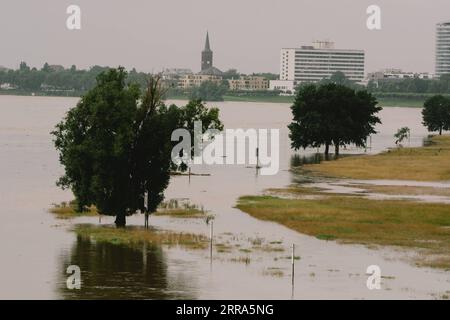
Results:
x,y
244,34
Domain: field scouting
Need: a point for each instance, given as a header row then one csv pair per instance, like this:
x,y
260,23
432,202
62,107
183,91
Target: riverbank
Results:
x,y
428,163
357,220
422,227
400,101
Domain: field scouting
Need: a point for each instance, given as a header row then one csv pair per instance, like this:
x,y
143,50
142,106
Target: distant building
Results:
x,y
285,86
56,67
442,48
207,60
255,83
195,80
174,73
396,74
319,61
7,86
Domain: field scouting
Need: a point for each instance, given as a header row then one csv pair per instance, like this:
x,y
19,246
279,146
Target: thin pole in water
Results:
x,y
146,210
211,235
257,158
293,267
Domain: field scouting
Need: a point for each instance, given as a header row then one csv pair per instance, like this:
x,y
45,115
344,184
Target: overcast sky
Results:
x,y
245,34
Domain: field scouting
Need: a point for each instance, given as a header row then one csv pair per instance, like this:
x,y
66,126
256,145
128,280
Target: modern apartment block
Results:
x,y
442,48
319,61
397,74
254,83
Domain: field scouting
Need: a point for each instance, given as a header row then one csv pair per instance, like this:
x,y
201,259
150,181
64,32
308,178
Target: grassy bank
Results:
x,y
358,220
269,99
399,99
135,236
430,163
383,101
16,92
401,102
67,210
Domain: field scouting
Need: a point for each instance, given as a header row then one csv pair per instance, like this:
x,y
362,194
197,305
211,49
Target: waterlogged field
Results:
x,y
173,259
359,220
429,163
353,218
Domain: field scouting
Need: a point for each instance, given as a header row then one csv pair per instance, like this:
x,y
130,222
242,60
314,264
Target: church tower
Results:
x,y
207,55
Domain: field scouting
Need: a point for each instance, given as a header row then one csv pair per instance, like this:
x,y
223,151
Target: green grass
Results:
x,y
181,209
192,213
401,102
273,99
67,210
348,219
429,163
133,236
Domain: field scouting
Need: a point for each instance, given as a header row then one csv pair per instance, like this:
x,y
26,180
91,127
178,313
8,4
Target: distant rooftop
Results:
x,y
323,45
211,71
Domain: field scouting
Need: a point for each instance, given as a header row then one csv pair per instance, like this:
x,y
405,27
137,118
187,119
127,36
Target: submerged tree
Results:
x,y
115,145
332,114
436,113
401,135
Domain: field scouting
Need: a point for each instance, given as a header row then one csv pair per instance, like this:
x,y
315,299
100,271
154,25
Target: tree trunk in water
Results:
x,y
336,149
327,149
440,131
146,220
120,220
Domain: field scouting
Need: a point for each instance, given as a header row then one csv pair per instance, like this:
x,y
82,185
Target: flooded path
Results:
x,y
36,248
363,188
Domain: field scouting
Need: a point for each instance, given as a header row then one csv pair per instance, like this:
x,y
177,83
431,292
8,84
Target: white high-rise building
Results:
x,y
442,48
319,61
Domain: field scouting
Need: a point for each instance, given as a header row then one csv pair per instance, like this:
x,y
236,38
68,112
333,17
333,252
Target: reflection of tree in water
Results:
x,y
111,271
298,160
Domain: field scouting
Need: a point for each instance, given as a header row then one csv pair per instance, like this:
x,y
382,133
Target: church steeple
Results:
x,y
207,55
207,47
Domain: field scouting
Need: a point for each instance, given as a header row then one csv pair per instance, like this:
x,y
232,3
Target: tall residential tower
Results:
x,y
442,48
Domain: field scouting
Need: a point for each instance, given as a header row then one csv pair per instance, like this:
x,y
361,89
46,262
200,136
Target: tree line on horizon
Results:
x,y
50,78
56,80
411,85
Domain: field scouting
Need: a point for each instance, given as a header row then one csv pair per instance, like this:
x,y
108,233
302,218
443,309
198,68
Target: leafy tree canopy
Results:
x,y
332,114
436,113
115,145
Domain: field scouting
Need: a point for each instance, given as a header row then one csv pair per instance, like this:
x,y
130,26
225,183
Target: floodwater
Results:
x,y
36,248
